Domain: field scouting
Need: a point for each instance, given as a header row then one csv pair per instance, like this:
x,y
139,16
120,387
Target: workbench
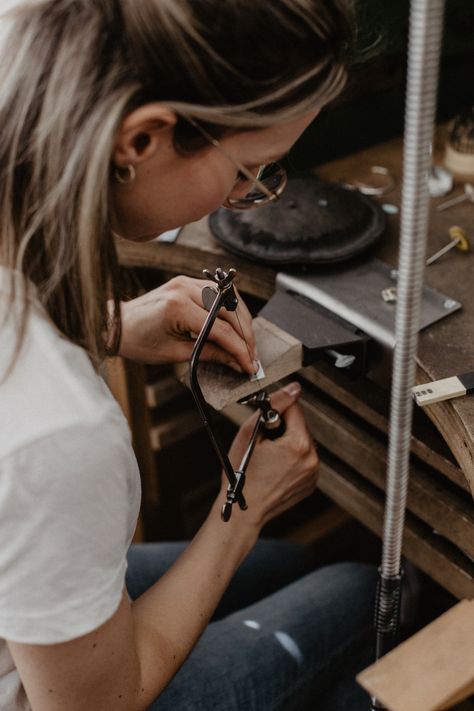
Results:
x,y
349,416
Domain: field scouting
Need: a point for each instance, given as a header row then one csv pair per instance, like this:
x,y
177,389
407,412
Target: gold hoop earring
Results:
x,y
125,174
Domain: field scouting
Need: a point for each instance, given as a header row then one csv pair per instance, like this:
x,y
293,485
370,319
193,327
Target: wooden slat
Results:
x,y
139,535
318,527
194,250
439,505
127,382
370,402
116,378
174,429
435,556
163,391
237,413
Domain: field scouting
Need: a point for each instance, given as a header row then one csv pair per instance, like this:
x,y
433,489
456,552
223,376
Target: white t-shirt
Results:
x,y
69,493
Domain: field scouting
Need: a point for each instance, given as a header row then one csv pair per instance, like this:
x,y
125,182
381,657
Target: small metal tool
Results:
x,y
341,360
458,240
380,188
272,422
468,194
389,295
271,425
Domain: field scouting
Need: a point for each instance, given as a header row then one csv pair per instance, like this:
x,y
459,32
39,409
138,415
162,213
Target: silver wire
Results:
x,y
242,333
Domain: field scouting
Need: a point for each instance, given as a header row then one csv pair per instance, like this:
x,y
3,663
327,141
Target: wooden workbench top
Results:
x,y
445,348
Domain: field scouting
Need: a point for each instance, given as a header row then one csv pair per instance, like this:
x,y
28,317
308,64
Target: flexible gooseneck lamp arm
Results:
x,y
426,25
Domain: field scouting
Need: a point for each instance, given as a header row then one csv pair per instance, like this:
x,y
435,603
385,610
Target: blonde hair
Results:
x,y
70,70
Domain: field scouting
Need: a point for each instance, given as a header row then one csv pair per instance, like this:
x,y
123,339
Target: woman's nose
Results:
x,y
244,185
240,189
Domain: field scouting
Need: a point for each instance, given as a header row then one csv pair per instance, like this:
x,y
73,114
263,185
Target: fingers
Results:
x,y
283,400
214,354
232,330
304,486
285,397
229,339
283,471
295,422
297,436
231,347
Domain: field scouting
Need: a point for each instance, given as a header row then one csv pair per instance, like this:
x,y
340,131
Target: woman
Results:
x,y
133,117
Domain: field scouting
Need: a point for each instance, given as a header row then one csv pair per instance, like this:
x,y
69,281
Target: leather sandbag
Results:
x,y
314,222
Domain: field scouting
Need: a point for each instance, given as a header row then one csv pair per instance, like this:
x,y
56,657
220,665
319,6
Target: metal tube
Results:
x,y
426,20
196,388
251,446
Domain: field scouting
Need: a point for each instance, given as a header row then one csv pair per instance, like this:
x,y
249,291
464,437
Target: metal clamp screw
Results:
x,y
450,304
341,360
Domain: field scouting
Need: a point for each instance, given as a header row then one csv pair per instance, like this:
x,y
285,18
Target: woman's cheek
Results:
x,y
206,200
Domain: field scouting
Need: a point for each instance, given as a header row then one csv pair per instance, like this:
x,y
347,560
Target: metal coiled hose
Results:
x,y
426,24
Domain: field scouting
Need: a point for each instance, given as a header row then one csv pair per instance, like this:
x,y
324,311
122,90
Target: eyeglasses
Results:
x,y
269,182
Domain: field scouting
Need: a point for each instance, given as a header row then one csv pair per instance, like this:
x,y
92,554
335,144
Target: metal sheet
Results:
x,y
316,328
169,235
354,293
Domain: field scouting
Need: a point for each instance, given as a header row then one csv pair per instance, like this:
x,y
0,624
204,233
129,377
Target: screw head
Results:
x,y
344,361
449,303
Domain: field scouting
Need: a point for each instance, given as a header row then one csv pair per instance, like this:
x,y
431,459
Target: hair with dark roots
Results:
x,y
71,70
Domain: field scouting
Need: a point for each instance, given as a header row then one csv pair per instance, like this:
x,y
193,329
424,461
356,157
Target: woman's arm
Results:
x,y
126,663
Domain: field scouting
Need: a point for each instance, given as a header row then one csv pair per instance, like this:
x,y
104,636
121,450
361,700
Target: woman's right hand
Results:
x,y
281,472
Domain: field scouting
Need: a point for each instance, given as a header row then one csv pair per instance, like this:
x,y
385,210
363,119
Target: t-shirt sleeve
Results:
x,y
64,533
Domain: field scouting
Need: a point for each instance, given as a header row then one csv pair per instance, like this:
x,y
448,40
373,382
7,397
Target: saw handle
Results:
x,y
273,424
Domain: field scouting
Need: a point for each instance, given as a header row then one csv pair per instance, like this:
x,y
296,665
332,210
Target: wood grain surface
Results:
x,y
433,554
432,670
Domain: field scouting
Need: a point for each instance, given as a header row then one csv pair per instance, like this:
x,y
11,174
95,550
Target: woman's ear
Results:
x,y
142,132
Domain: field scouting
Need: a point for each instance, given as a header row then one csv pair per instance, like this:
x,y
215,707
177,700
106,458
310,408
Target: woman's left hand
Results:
x,y
158,327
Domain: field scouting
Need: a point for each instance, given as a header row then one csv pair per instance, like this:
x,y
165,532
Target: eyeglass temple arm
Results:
x,y
250,177
199,397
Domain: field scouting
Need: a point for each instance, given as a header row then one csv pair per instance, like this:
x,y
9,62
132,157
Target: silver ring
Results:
x,y
367,189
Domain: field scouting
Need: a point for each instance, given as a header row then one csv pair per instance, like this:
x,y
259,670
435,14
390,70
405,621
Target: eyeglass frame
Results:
x,y
270,195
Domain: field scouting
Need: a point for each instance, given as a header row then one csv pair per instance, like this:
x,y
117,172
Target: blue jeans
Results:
x,y
278,641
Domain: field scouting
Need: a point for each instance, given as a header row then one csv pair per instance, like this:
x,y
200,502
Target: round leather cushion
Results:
x,y
314,222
